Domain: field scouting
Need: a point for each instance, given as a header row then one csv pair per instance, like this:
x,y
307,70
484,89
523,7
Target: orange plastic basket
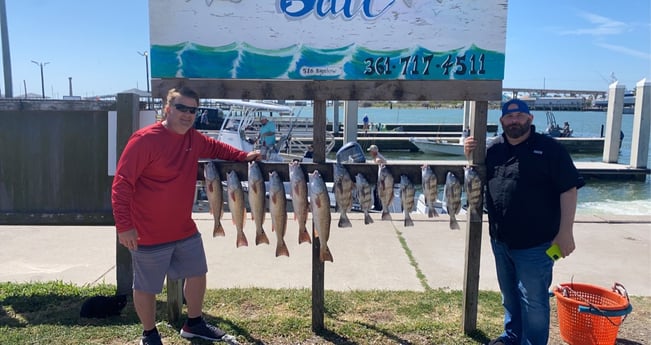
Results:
x,y
590,315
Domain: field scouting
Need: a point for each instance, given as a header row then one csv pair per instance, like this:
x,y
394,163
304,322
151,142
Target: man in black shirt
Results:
x,y
531,185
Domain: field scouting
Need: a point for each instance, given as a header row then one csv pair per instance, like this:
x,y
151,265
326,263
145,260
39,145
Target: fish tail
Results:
x,y
218,230
386,215
303,235
408,221
454,225
367,218
325,254
281,249
344,222
241,240
261,237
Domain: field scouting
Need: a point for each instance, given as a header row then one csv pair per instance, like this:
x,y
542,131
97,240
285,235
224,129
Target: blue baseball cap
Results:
x,y
520,106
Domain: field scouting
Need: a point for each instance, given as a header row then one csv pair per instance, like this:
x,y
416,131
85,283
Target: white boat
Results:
x,y
448,147
240,125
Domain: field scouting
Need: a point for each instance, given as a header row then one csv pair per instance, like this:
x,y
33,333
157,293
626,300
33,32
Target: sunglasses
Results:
x,y
185,109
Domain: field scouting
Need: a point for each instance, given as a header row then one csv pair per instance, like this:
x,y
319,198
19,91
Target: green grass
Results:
x,y
48,313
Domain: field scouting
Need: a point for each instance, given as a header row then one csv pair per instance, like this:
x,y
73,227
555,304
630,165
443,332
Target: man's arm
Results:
x,y
565,236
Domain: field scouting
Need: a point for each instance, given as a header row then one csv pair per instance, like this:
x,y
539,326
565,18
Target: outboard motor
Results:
x,y
351,153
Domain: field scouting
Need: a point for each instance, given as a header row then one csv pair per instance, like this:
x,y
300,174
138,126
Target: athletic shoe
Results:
x,y
202,330
152,339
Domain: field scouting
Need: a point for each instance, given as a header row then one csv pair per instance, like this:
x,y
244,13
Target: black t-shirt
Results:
x,y
524,187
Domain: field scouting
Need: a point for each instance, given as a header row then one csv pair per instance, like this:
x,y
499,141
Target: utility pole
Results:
x,y
146,55
6,57
41,64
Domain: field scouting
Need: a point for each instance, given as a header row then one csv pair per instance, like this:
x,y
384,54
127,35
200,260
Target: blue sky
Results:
x,y
555,44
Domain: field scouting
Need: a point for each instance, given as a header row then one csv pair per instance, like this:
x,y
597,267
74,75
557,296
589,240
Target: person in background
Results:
x,y
566,131
267,137
377,158
152,197
465,133
309,154
365,122
376,155
531,196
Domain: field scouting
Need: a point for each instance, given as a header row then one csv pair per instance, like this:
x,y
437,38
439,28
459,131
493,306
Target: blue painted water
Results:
x,y
597,197
351,62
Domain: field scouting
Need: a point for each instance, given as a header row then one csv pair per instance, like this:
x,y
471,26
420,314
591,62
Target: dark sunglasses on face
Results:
x,y
185,109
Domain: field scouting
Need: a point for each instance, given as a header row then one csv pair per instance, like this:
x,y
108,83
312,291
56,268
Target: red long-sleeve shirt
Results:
x,y
153,188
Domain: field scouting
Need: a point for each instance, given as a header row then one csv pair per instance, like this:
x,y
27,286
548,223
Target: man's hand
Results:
x,y
468,145
254,156
129,239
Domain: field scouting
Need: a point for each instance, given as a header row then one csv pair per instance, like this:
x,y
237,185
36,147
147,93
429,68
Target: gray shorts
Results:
x,y
180,259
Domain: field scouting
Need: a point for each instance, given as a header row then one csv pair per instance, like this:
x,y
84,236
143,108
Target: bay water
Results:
x,y
596,197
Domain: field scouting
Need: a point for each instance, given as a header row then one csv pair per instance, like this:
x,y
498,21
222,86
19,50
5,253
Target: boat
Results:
x,y
449,146
554,130
238,124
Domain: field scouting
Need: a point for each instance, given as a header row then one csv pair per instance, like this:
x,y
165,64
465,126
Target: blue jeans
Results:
x,y
524,276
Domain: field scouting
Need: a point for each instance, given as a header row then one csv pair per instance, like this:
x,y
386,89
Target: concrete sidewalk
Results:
x,y
384,255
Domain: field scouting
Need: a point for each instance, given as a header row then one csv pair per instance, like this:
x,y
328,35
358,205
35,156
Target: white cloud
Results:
x,y
600,26
624,50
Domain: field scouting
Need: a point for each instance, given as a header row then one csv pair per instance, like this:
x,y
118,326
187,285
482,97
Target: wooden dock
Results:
x,y
399,141
583,145
611,171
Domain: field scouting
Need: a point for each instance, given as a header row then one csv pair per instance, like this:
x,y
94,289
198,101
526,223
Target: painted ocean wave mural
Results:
x,y
351,62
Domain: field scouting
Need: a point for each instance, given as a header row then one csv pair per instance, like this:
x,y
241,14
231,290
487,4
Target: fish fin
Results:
x,y
210,187
218,230
303,236
433,210
430,212
261,237
325,254
367,218
241,240
386,215
344,222
281,249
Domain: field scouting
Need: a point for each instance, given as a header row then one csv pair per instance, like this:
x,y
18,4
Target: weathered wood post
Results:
x,y
174,299
478,121
128,121
318,267
350,121
613,122
641,125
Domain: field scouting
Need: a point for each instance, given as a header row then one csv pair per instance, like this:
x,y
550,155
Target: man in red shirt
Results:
x,y
152,197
